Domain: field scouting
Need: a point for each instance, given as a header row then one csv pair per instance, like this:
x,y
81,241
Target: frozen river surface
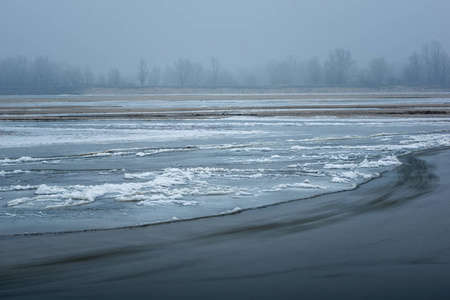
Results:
x,y
75,175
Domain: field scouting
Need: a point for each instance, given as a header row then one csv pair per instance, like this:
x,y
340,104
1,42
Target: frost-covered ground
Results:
x,y
72,175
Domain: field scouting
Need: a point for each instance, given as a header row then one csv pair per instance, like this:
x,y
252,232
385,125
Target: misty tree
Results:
x,y
288,71
88,76
313,71
183,71
114,77
436,62
74,76
250,80
249,77
339,67
226,78
277,73
379,71
413,71
168,77
21,70
42,70
445,69
142,71
429,66
198,75
14,71
154,76
102,80
214,70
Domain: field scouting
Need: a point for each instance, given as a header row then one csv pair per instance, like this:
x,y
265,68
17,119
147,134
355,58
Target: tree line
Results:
x,y
429,66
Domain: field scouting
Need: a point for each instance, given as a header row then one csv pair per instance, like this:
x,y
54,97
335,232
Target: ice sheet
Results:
x,y
133,172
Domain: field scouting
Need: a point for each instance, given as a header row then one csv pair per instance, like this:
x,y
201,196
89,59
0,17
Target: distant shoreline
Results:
x,y
264,90
79,110
15,91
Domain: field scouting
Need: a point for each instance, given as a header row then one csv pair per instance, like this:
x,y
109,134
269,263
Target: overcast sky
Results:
x,y
241,33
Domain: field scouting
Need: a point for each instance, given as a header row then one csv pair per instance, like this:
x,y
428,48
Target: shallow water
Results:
x,y
385,240
75,175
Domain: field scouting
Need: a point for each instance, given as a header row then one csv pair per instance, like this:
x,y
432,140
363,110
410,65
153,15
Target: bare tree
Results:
x,y
214,69
75,76
14,71
339,67
183,71
313,71
197,74
414,69
378,71
42,69
445,69
436,62
288,71
142,71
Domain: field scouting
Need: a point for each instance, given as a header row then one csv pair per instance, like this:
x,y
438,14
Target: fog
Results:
x,y
107,33
106,38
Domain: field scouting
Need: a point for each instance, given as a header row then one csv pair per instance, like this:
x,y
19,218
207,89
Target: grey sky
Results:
x,y
116,33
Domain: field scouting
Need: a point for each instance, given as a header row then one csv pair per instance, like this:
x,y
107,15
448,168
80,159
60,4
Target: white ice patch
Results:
x,y
159,151
346,176
173,185
23,159
337,179
383,162
340,166
412,143
272,158
77,133
143,175
98,154
303,185
17,188
218,173
252,149
353,174
232,211
387,161
426,141
6,173
165,202
44,189
18,201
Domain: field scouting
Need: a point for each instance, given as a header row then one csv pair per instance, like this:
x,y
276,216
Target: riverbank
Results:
x,y
216,90
266,90
386,240
220,105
